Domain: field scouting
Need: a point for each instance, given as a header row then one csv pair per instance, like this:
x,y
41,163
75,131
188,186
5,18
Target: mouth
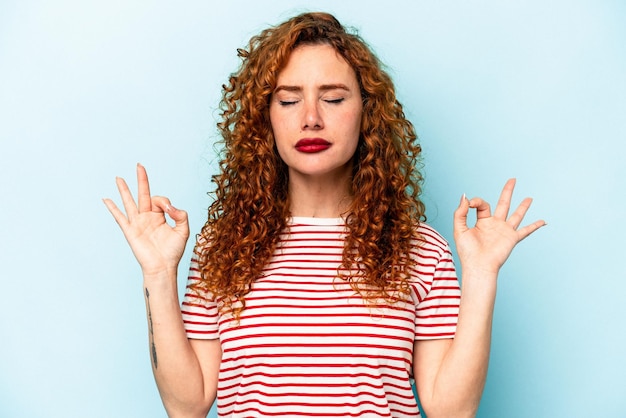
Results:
x,y
312,145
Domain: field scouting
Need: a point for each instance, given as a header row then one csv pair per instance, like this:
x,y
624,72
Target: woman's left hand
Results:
x,y
486,246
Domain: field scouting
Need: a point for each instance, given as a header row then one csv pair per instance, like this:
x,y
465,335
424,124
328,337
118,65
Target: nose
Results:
x,y
312,118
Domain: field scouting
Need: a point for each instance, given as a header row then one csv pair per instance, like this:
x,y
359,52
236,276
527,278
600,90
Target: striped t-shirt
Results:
x,y
307,345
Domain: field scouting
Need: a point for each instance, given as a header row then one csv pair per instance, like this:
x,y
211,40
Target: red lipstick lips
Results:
x,y
312,145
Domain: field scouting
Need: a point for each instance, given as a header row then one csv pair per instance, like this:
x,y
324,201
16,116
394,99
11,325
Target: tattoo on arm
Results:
x,y
153,353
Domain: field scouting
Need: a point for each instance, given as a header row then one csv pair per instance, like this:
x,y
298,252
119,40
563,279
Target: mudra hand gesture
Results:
x,y
157,245
485,247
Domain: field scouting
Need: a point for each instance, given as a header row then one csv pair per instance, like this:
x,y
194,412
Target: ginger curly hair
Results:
x,y
251,205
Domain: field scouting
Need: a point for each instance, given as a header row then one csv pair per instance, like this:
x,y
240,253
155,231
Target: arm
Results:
x,y
185,370
450,374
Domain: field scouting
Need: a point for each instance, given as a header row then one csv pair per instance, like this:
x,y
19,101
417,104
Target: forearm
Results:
x,y
461,378
454,382
176,367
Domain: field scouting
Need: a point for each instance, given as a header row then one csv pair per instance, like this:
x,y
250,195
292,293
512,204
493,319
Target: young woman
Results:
x,y
316,288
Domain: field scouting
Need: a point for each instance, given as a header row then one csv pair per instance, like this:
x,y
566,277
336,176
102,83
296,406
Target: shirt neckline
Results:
x,y
309,220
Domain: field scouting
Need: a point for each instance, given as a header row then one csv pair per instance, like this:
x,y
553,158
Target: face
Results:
x,y
315,112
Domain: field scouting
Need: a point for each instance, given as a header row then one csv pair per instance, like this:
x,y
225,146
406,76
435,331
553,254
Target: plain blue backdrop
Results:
x,y
534,90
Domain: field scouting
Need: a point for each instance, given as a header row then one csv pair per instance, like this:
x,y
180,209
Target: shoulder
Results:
x,y
427,238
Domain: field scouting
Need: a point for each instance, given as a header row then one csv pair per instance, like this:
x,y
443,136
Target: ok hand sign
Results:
x,y
486,246
157,246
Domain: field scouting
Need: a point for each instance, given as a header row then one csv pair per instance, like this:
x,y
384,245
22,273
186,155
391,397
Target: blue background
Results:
x,y
534,90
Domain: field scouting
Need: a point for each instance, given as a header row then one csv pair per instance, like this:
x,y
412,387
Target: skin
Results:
x,y
186,370
317,96
450,374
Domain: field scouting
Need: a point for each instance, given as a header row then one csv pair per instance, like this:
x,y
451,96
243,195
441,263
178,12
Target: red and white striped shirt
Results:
x,y
307,345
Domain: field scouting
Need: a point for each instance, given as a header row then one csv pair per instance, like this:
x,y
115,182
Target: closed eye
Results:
x,y
335,101
287,102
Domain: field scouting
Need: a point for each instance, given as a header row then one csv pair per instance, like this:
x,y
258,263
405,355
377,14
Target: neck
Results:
x,y
327,197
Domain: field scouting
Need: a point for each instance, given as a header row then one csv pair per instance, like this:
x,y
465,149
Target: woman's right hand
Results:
x,y
157,245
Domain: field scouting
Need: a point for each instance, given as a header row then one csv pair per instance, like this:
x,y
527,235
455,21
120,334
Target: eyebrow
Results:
x,y
323,87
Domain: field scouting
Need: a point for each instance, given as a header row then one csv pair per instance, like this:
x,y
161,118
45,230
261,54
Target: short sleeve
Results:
x,y
436,291
200,313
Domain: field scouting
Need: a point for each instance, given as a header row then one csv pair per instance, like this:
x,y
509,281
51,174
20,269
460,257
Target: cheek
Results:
x,y
278,130
355,122
280,123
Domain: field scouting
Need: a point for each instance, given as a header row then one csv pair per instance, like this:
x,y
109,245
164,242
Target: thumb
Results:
x,y
163,204
178,216
460,216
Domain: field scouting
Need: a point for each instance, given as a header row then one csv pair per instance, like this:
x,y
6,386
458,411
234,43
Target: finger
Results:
x,y
180,217
518,216
504,202
127,198
143,190
460,216
159,204
529,229
483,210
118,215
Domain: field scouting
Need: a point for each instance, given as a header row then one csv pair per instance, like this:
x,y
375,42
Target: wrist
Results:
x,y
479,281
478,297
160,275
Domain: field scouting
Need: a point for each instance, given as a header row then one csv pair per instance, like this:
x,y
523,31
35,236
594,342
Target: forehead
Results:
x,y
318,63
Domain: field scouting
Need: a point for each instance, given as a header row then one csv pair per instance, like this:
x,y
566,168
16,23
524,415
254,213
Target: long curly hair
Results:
x,y
251,206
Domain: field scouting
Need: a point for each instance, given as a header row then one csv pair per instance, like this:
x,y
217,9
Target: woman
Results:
x,y
316,288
